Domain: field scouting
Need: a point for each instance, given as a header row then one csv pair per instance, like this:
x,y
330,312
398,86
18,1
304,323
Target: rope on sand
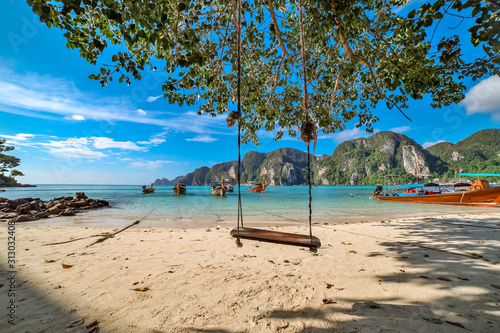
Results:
x,y
111,235
72,240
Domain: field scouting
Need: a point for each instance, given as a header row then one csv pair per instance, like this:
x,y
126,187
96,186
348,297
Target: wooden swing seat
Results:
x,y
277,237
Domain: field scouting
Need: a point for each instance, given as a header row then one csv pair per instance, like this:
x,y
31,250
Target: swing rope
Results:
x,y
265,235
305,106
240,209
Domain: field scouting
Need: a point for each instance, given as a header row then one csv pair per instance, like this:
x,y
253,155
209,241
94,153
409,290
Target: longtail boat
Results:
x,y
229,187
479,193
258,187
218,188
180,188
147,190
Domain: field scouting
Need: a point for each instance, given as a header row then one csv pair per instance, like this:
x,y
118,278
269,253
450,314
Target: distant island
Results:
x,y
362,161
8,164
11,182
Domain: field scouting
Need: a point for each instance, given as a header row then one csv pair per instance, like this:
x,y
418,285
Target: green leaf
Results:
x,y
196,41
438,16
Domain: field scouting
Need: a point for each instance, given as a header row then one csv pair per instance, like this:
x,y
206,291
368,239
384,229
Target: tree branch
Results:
x,y
379,36
349,53
494,3
334,47
277,76
334,96
276,28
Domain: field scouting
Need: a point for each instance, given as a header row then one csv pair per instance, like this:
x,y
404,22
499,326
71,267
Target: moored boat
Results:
x,y
218,188
180,188
480,193
229,187
258,187
147,190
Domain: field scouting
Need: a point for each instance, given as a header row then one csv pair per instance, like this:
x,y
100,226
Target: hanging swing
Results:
x,y
270,236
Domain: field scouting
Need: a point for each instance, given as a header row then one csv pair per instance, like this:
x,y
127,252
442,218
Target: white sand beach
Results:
x,y
409,275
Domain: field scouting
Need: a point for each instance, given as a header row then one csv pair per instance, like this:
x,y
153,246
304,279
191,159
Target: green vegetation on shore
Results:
x,y
333,61
362,161
8,163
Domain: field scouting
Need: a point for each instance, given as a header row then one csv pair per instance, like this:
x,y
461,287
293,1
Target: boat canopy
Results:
x,y
410,185
480,174
431,184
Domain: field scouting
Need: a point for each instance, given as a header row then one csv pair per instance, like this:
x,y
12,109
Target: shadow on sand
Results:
x,y
469,301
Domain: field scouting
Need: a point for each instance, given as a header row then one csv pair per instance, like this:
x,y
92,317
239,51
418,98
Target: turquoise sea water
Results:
x,y
277,205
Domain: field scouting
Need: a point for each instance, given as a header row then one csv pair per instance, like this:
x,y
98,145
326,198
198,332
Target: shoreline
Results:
x,y
418,274
2,186
94,219
281,206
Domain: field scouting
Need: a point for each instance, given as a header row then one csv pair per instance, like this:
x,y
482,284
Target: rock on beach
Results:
x,y
32,209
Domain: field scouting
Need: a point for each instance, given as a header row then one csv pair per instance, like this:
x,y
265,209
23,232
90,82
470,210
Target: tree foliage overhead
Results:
x,y
8,161
357,53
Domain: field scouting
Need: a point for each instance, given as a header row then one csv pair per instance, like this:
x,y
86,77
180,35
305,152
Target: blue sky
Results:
x,y
69,130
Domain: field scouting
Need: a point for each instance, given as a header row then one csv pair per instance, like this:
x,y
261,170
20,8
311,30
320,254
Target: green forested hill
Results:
x,y
363,161
368,160
479,152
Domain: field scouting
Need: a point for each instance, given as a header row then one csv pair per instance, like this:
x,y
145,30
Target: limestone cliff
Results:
x,y
414,161
360,161
367,160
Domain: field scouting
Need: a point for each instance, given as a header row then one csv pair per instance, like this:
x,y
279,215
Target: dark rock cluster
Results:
x,y
29,209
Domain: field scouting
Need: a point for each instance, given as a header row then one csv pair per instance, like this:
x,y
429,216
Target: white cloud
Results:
x,y
408,4
106,143
152,98
20,139
150,164
202,138
87,147
69,152
71,142
155,139
349,134
428,144
201,124
46,97
484,97
83,147
72,148
20,136
41,95
76,117
400,129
